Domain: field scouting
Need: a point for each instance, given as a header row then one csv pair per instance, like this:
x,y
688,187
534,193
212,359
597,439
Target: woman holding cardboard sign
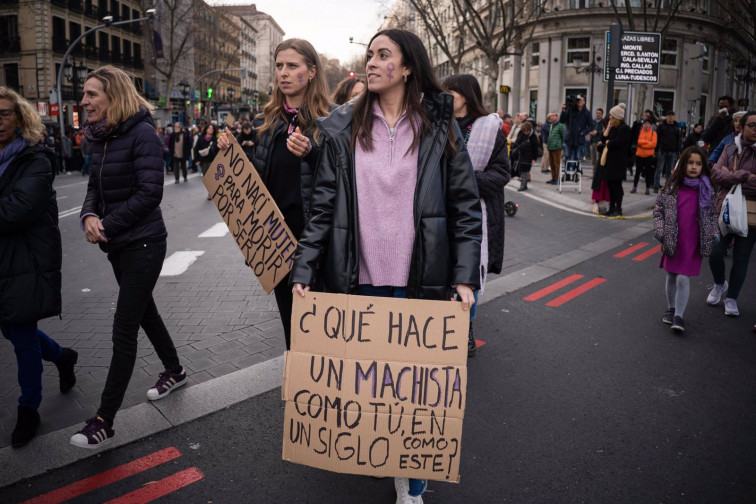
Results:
x,y
286,154
395,208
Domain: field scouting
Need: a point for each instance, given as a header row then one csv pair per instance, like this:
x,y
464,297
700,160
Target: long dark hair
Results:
x,y
344,89
420,80
467,86
675,180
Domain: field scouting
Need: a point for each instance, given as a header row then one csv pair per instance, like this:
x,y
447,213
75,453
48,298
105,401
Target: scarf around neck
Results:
x,y
97,132
294,120
9,153
703,185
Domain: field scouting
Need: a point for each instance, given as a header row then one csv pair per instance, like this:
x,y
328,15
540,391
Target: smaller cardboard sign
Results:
x,y
252,217
376,386
230,120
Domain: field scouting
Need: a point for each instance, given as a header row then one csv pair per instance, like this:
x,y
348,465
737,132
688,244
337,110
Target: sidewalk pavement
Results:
x,y
636,205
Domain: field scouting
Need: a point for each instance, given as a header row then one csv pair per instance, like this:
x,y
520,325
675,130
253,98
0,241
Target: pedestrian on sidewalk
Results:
x,y
599,187
524,151
616,140
669,141
30,257
685,222
368,234
180,146
554,146
544,131
121,213
644,156
737,165
286,153
206,148
487,147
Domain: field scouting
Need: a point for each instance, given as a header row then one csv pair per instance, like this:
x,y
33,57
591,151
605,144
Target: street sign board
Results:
x,y
640,54
54,107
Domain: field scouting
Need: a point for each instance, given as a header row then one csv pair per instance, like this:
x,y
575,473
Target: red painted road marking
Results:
x,y
631,249
102,479
576,292
149,493
479,343
647,254
554,287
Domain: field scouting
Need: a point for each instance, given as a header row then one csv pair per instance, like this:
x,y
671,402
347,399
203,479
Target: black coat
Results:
x,y
262,157
126,186
30,246
619,152
202,144
524,151
447,212
187,147
668,137
249,150
491,182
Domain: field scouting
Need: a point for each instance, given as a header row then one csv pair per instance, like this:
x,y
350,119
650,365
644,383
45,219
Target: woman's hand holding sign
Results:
x,y
223,141
298,144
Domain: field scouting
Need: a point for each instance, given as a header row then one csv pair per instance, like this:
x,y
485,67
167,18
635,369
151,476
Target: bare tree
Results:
x,y
175,18
497,28
441,28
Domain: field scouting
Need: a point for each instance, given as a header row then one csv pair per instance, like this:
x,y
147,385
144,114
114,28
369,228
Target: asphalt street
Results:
x,y
579,394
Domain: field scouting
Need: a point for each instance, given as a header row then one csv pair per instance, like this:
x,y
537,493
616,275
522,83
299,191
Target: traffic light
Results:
x,y
351,75
209,93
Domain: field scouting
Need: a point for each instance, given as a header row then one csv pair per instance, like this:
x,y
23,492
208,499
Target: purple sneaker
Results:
x,y
167,382
96,433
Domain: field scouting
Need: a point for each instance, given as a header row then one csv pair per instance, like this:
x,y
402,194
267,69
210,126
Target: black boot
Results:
x,y
523,184
26,426
471,342
65,367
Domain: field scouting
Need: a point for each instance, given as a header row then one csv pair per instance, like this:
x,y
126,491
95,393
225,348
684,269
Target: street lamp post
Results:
x,y
106,21
185,93
593,68
75,74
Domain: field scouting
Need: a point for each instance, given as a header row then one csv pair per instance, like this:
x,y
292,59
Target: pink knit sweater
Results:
x,y
386,180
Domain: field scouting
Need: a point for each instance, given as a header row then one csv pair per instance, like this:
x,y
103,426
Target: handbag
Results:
x,y
733,219
604,154
204,152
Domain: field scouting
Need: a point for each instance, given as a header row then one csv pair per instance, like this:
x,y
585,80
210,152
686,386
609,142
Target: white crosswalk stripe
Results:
x,y
179,262
218,230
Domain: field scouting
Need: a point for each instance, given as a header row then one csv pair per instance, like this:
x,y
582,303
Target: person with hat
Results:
x,y
668,143
616,140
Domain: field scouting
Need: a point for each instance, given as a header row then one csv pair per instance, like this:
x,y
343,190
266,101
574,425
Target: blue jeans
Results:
x,y
32,346
571,152
416,486
741,254
86,168
664,165
474,307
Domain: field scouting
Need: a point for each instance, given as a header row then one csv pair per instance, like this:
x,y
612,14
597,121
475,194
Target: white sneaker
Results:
x,y
717,293
401,485
731,308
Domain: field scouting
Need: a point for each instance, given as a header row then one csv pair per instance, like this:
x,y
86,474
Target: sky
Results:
x,y
327,24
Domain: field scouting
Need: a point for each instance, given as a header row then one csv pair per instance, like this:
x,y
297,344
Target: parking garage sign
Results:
x,y
639,58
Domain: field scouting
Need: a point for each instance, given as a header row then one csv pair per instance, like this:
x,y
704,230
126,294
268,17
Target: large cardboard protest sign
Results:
x,y
376,386
252,217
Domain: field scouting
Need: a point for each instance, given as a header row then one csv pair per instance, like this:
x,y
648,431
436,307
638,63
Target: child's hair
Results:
x,y
674,180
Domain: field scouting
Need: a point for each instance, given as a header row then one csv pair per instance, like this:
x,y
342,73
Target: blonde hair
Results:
x,y
124,99
31,124
315,103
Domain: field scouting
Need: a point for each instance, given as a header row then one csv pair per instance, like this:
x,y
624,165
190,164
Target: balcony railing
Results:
x,y
116,57
60,3
104,55
90,11
9,44
127,60
75,5
91,52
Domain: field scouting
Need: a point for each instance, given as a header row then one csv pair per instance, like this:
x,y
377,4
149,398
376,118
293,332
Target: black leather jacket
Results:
x,y
447,212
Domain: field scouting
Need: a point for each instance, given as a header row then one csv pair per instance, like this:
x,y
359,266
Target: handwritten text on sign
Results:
x,y
376,386
252,217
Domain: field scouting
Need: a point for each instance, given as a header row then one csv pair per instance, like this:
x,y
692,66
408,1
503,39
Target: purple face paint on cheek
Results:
x,y
300,77
390,67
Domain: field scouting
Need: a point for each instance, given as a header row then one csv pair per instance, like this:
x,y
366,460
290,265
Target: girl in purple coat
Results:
x,y
685,222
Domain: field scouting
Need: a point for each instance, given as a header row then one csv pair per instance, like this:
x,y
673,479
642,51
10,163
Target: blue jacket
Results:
x,y
729,139
579,123
126,185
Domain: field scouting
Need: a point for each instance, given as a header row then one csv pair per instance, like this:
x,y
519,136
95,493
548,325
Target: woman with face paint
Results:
x,y
395,209
286,152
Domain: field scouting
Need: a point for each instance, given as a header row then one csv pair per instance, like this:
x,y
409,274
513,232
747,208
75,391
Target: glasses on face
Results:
x,y
751,125
6,113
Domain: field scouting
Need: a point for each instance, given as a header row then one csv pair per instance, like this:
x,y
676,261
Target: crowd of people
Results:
x,y
344,170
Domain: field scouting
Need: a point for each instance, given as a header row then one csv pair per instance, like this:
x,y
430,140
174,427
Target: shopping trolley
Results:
x,y
570,175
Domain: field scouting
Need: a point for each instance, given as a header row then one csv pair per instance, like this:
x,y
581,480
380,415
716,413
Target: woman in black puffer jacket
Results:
x,y
524,152
30,257
122,214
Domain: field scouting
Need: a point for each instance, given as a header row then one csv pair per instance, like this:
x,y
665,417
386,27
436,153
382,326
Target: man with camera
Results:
x,y
579,124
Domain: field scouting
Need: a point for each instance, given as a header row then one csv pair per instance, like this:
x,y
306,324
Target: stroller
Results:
x,y
570,175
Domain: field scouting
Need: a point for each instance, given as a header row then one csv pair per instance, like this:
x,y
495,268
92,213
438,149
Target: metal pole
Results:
x,y
593,74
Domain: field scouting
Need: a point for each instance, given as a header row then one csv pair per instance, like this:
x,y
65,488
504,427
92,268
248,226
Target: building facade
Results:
x,y
35,34
707,50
